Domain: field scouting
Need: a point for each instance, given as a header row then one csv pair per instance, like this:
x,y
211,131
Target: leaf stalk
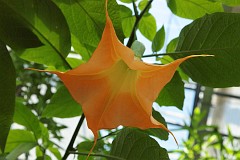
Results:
x,y
70,145
138,18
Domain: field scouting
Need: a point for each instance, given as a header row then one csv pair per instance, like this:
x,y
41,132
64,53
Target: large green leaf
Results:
x,y
148,26
36,30
193,9
18,142
62,105
86,19
131,144
218,35
25,117
158,132
13,28
7,94
173,93
84,50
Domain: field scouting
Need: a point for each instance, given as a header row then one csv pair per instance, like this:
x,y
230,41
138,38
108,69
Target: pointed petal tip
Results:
x,y
155,122
166,129
39,70
195,56
95,134
201,55
175,139
34,69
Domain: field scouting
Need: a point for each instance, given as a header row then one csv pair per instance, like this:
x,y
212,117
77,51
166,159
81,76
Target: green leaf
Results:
x,y
38,152
213,35
131,144
172,45
230,2
17,137
62,105
173,93
45,136
18,142
44,55
148,26
230,136
158,132
128,1
7,94
84,51
86,20
45,157
25,117
128,24
158,40
128,20
125,11
13,31
143,4
55,152
33,27
20,149
138,49
74,62
193,9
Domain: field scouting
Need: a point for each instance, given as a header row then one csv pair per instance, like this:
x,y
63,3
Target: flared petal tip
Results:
x,y
202,55
39,70
34,69
155,122
95,134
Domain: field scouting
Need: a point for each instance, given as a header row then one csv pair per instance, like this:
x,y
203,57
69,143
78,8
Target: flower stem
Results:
x,y
138,18
70,145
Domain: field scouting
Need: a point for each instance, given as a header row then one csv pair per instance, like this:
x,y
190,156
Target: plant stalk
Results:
x,y
70,145
138,18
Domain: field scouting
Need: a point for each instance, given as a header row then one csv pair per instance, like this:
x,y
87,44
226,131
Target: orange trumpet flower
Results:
x,y
114,88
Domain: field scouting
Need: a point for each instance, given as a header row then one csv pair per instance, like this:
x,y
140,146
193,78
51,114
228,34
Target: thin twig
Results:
x,y
70,145
97,155
110,134
138,18
135,8
162,54
201,51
